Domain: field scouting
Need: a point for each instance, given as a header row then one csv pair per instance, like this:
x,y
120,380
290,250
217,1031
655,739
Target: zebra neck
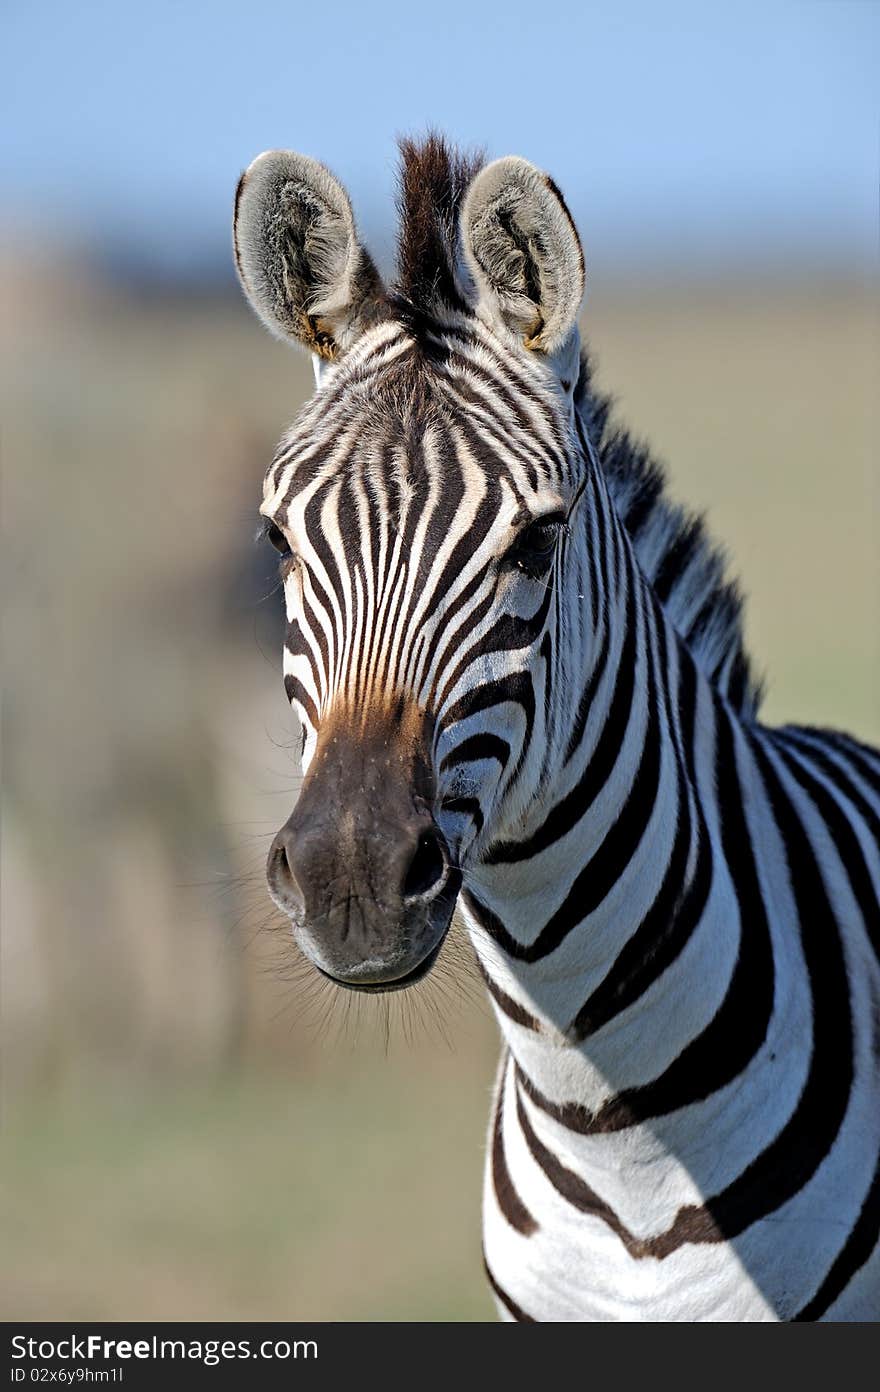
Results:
x,y
577,923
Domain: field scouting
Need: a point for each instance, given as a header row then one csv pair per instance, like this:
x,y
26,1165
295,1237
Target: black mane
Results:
x,y
684,564
433,179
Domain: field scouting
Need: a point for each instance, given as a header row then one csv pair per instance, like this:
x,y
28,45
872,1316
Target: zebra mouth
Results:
x,y
398,983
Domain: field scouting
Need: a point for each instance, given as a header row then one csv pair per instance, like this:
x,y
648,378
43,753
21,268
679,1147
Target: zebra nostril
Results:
x,y
282,881
427,869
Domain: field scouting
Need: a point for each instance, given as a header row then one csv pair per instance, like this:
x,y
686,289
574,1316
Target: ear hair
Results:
x,y
298,256
522,248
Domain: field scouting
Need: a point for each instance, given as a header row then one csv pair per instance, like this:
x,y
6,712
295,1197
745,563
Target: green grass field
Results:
x,y
350,1194
183,1137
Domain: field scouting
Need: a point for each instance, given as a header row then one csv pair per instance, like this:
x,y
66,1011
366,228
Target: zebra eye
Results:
x,y
276,537
533,549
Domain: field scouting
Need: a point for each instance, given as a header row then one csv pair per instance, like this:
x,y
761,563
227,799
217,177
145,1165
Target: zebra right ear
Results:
x,y
522,248
298,256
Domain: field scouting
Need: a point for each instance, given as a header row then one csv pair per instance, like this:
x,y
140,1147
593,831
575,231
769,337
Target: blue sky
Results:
x,y
693,134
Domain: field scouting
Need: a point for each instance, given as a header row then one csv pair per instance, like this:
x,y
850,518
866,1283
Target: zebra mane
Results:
x,y
433,180
685,566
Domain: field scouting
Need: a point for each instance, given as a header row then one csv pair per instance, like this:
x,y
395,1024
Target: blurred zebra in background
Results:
x,y
523,688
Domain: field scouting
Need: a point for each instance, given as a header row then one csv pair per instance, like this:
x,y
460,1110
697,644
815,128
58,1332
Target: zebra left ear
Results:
x,y
298,255
523,250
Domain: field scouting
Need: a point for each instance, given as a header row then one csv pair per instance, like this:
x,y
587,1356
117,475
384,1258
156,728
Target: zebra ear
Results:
x,y
522,248
298,255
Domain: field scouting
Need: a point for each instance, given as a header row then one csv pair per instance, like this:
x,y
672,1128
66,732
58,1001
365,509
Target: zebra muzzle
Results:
x,y
362,869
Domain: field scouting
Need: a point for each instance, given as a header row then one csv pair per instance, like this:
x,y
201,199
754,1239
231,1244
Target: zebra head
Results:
x,y
423,506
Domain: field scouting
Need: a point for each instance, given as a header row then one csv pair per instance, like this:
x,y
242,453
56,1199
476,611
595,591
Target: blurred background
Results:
x,y
191,1128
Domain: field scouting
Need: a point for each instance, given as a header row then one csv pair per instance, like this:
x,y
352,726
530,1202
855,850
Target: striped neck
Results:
x,y
604,884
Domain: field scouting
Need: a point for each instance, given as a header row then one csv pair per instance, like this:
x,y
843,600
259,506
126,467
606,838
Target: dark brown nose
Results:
x,y
360,866
410,865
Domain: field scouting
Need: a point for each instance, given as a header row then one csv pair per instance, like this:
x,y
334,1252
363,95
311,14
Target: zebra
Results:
x,y
523,689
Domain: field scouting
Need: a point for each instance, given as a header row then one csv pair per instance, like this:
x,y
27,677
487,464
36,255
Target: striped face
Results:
x,y
422,507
